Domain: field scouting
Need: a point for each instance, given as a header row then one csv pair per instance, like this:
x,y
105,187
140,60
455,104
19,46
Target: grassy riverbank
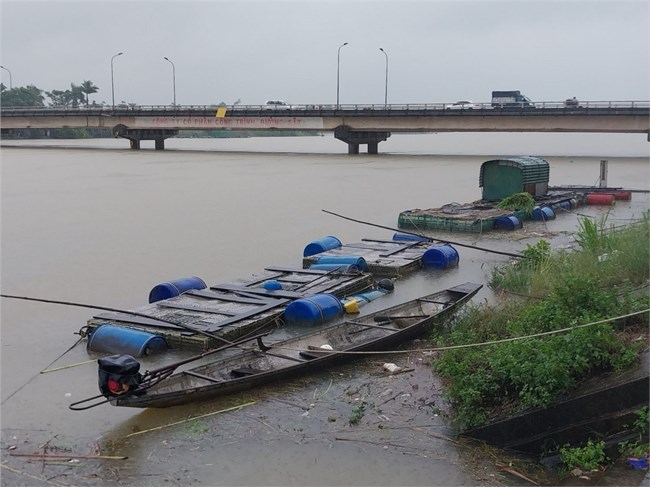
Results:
x,y
581,311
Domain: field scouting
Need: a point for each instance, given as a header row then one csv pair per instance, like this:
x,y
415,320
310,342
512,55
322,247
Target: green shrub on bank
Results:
x,y
573,289
586,458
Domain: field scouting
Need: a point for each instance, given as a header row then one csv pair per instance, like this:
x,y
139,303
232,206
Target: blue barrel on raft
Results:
x,y
315,310
122,340
410,237
175,288
543,213
440,257
321,245
360,262
272,285
507,223
334,267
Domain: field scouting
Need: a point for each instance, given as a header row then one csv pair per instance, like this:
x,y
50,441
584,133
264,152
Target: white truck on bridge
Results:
x,y
511,99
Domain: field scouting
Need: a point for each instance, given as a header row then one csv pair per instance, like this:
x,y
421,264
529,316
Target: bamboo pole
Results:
x,y
234,408
117,310
66,456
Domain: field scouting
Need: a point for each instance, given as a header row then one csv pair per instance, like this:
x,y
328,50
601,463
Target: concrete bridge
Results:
x,y
353,124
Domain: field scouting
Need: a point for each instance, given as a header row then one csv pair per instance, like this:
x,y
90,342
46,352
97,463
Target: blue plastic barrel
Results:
x,y
507,223
543,213
360,262
272,285
122,340
440,257
174,288
333,267
566,204
410,237
315,310
321,245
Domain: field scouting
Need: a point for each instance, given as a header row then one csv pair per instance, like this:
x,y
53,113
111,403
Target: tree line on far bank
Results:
x,y
31,96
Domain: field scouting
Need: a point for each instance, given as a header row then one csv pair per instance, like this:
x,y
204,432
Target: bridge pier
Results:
x,y
136,135
356,138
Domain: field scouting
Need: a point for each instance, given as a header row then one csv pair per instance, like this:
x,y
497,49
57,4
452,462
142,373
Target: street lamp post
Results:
x,y
386,91
173,77
112,84
10,84
338,70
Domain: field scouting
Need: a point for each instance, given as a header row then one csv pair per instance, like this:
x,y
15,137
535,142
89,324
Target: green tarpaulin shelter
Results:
x,y
500,178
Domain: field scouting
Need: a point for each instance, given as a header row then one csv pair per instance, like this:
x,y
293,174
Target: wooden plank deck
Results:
x,y
235,309
390,258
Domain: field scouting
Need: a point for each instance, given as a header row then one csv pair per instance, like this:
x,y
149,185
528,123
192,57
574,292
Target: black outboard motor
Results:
x,y
118,374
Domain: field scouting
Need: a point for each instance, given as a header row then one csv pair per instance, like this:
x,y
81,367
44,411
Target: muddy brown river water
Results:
x,y
93,222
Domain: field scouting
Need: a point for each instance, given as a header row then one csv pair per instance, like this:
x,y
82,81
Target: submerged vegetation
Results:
x,y
563,320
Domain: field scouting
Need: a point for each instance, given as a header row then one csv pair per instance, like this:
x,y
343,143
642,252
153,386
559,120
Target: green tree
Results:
x,y
22,96
72,97
77,94
87,87
59,98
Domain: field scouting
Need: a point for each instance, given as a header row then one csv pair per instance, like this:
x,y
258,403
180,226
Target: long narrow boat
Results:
x,y
382,330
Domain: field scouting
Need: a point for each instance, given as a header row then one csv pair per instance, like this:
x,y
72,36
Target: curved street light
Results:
x,y
10,84
338,66
112,84
173,77
386,91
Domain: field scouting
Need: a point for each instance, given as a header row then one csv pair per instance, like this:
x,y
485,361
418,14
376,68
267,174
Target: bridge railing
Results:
x,y
330,109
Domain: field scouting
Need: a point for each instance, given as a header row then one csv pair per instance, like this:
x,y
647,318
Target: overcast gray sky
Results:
x,y
224,50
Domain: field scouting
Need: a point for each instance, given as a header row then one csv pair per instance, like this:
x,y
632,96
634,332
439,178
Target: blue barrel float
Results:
x,y
440,257
272,285
410,237
175,288
360,262
543,213
122,340
321,245
315,310
507,223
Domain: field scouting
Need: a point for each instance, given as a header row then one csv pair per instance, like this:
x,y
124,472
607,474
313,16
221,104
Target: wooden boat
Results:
x,y
382,330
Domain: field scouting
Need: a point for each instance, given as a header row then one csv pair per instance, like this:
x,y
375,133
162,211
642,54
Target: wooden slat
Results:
x,y
401,249
278,355
256,291
248,314
201,376
198,309
137,320
262,279
374,326
296,271
204,293
434,301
